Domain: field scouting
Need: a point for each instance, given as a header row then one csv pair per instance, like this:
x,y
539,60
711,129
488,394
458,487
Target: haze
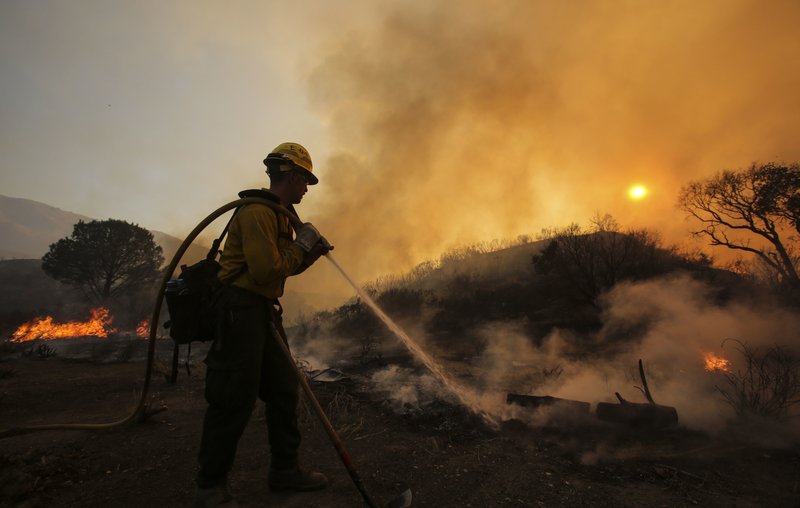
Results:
x,y
431,124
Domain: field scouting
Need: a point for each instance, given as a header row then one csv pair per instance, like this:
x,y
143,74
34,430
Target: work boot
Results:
x,y
296,479
213,497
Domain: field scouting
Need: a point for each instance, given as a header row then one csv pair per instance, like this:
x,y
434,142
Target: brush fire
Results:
x,y
99,324
716,363
143,328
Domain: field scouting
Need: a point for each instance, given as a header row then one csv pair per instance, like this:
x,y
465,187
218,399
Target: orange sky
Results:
x,y
455,125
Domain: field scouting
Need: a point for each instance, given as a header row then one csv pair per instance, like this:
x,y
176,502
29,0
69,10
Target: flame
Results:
x,y
143,328
716,363
99,325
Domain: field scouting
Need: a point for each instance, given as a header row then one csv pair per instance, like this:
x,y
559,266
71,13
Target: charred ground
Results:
x,y
445,454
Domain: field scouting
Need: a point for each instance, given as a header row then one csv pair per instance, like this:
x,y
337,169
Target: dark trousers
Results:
x,y
245,362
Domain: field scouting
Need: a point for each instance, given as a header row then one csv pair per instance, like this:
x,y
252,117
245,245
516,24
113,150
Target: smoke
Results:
x,y
406,387
453,123
683,322
669,323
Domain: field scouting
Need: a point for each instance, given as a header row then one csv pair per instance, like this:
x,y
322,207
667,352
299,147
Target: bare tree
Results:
x,y
736,209
767,384
778,192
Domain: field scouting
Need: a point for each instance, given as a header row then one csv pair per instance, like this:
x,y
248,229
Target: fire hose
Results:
x,y
141,412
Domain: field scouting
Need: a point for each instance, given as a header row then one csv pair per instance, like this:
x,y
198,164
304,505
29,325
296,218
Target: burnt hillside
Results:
x,y
538,285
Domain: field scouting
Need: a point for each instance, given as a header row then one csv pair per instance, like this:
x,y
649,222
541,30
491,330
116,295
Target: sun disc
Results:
x,y
637,192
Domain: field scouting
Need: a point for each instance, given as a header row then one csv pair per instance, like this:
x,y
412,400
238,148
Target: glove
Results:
x,y
307,237
325,244
321,248
313,244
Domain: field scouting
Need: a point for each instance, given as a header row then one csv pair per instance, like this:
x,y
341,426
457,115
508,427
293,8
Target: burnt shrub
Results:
x,y
402,302
354,319
42,351
766,385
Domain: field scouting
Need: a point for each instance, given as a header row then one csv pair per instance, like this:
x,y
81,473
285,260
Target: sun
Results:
x,y
637,192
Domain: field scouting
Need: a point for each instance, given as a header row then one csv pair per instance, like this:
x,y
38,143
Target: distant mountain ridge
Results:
x,y
28,227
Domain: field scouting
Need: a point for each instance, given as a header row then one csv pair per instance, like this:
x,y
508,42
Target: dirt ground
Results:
x,y
447,457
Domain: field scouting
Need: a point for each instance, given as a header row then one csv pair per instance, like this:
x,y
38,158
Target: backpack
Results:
x,y
190,300
192,296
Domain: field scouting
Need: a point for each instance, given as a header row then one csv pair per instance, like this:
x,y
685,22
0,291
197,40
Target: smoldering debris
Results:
x,y
637,414
633,414
329,376
538,401
405,388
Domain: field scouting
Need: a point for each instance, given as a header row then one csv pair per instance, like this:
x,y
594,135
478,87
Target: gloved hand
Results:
x,y
307,237
321,248
326,244
313,244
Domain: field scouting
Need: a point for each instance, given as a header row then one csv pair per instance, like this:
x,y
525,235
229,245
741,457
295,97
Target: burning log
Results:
x,y
535,401
638,414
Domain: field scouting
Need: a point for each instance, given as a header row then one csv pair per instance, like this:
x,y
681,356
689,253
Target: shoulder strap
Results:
x,y
247,193
212,253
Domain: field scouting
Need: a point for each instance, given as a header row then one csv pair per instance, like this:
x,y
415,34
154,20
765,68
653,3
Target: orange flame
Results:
x,y
99,325
143,329
716,363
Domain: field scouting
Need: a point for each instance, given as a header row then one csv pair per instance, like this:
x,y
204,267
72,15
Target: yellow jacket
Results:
x,y
259,253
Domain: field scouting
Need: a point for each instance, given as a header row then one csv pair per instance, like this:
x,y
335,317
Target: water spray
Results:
x,y
461,392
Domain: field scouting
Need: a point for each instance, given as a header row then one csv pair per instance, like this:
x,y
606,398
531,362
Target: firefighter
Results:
x,y
245,362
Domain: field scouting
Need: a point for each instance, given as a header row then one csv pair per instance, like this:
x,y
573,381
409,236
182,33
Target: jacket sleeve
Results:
x,y
267,264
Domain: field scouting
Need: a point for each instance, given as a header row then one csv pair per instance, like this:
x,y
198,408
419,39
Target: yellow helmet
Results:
x,y
296,156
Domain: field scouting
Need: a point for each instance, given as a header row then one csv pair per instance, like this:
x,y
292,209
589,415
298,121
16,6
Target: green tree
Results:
x,y
104,259
751,210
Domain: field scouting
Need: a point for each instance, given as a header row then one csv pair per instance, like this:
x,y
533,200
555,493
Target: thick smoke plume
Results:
x,y
454,123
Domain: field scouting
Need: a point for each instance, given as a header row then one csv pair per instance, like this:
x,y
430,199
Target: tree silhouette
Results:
x,y
751,210
591,261
104,258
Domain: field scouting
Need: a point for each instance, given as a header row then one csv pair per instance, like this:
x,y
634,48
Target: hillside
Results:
x,y
28,227
530,284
